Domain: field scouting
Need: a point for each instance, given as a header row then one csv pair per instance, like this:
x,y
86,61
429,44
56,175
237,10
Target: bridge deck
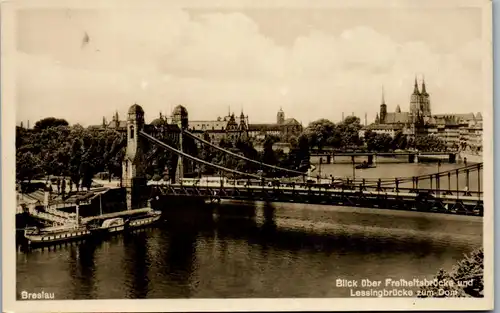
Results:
x,y
438,201
305,191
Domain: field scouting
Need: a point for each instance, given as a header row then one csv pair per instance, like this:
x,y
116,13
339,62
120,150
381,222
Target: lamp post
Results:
x,y
438,187
353,169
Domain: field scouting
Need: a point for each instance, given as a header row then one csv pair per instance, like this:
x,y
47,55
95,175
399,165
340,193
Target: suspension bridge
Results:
x,y
441,192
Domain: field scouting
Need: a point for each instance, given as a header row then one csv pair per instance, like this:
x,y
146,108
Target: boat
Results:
x,y
365,165
113,225
150,218
70,231
56,234
118,224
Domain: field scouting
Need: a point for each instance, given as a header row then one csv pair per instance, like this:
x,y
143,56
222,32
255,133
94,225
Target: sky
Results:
x,y
84,64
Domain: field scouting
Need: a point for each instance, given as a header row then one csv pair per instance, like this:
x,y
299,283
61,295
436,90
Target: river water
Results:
x,y
297,250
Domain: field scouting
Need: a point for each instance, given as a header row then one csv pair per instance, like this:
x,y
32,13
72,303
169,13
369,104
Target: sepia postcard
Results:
x,y
238,155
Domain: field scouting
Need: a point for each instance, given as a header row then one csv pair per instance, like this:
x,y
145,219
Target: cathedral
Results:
x,y
420,109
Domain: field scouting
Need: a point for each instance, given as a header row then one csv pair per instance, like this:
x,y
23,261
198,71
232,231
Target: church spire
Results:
x,y
415,88
383,95
424,92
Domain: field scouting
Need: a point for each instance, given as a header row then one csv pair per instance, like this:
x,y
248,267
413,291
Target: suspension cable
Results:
x,y
243,157
192,158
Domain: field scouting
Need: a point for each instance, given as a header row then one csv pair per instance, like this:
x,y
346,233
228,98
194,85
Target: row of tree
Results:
x,y
71,151
384,142
324,133
53,147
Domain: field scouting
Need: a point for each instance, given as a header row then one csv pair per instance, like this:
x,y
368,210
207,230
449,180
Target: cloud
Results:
x,y
211,61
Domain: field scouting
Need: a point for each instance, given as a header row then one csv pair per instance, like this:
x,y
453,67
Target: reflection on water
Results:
x,y
297,251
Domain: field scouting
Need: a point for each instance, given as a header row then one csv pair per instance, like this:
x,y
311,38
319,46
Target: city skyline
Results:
x,y
335,60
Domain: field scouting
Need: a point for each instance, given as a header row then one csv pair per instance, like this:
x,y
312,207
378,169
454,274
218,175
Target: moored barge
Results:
x,y
56,234
118,224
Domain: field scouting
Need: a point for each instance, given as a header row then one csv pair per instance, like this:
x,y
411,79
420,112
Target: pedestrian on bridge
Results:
x,y
466,191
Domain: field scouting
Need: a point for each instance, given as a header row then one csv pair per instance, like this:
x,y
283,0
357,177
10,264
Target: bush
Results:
x,y
470,269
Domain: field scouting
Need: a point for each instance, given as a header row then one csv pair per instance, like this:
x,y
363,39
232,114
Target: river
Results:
x,y
300,250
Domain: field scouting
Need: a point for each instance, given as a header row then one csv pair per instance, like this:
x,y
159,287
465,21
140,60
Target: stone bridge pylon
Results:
x,y
134,174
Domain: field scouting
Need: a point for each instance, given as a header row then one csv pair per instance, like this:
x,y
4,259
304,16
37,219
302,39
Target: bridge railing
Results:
x,y
365,153
426,200
458,178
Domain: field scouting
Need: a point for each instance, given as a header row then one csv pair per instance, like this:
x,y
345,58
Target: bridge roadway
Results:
x,y
317,152
439,201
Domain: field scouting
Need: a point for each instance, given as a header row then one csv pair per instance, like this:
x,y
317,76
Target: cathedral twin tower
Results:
x,y
420,103
420,107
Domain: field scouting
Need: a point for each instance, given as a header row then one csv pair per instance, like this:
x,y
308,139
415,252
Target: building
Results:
x,y
388,129
420,109
233,128
230,127
409,122
457,131
462,132
471,135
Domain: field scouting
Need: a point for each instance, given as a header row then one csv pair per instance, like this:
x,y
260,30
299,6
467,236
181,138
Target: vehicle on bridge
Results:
x,y
365,165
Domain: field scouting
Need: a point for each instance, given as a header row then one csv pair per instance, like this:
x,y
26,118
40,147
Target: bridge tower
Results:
x,y
134,176
180,118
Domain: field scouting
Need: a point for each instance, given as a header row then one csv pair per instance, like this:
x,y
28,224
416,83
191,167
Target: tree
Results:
x,y
377,142
349,131
57,149
245,146
429,143
268,155
399,141
49,122
466,279
318,132
114,150
27,166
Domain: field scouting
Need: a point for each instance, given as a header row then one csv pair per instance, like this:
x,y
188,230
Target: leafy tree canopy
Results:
x,y
49,122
